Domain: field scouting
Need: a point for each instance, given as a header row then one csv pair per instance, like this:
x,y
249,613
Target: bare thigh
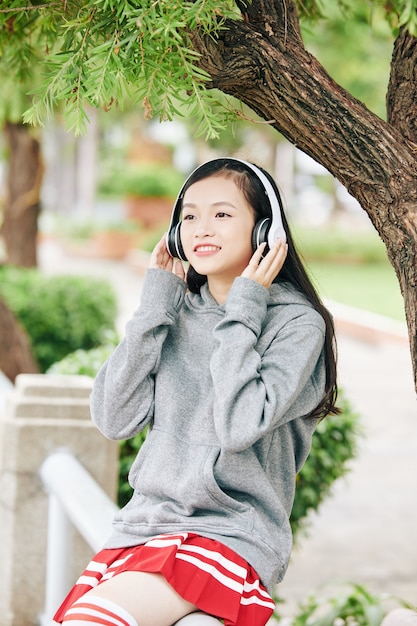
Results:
x,y
149,598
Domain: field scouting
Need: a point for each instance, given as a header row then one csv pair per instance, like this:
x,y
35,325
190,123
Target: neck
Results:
x,y
219,289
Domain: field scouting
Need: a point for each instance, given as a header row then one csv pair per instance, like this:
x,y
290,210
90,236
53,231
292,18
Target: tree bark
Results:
x,y
402,87
261,60
22,197
15,353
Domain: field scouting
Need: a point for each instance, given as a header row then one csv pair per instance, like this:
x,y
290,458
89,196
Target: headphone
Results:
x,y
265,230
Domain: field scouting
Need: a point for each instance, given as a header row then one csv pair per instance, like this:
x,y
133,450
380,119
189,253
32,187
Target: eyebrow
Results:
x,y
215,204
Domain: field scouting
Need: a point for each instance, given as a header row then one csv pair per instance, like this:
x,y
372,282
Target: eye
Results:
x,y
222,214
187,217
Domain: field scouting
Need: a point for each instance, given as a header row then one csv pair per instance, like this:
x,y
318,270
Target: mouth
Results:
x,y
206,249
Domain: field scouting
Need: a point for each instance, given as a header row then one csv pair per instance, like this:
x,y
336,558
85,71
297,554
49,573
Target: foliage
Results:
x,y
334,446
355,605
107,53
143,180
61,313
398,13
85,362
128,452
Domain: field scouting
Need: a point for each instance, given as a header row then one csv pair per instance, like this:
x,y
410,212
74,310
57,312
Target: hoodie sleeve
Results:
x,y
122,399
254,392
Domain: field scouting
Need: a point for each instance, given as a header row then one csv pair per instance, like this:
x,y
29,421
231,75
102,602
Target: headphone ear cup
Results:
x,y
173,243
170,241
260,234
181,253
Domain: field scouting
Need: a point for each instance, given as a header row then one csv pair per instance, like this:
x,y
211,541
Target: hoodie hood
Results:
x,y
280,294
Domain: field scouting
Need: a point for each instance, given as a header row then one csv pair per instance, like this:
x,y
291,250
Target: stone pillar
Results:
x,y
42,414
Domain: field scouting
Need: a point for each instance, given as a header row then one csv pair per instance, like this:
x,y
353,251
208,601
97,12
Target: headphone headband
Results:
x,y
276,228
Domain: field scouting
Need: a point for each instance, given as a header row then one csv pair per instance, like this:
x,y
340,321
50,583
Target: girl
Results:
x,y
232,375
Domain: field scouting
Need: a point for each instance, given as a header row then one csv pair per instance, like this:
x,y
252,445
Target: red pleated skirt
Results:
x,y
202,571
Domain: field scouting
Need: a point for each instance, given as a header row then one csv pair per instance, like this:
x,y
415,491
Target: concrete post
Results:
x,y
42,414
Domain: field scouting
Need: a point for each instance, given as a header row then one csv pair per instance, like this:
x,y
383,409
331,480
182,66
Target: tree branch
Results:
x,y
34,7
402,87
272,16
263,63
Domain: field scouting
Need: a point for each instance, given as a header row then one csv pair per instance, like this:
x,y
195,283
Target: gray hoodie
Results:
x,y
227,389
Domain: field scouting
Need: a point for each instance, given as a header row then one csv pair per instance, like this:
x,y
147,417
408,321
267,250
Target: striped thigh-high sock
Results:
x,y
94,610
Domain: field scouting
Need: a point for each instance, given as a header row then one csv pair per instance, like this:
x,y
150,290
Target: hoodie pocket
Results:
x,y
214,491
177,475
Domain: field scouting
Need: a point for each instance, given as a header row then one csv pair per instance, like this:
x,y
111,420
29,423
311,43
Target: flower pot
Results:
x,y
112,244
150,211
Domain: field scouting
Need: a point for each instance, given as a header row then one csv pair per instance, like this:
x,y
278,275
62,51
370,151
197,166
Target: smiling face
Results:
x,y
216,229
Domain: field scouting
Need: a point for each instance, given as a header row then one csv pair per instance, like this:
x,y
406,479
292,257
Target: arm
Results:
x,y
122,399
255,393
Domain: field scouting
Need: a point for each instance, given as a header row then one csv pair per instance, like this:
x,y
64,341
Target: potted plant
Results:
x,y
149,191
114,240
111,240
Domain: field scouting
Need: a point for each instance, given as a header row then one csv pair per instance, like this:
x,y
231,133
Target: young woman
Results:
x,y
232,364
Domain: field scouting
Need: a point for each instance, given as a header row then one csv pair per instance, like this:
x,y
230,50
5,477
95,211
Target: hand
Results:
x,y
161,259
264,270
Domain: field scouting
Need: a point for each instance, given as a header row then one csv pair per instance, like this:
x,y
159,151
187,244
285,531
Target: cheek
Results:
x,y
247,240
184,235
242,250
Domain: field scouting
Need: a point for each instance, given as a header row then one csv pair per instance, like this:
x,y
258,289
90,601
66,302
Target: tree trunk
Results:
x,y
261,60
15,353
22,196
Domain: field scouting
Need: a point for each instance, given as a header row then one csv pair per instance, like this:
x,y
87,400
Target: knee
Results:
x,y
198,619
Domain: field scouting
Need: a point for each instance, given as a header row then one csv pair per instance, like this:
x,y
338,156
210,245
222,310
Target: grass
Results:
x,y
351,268
371,286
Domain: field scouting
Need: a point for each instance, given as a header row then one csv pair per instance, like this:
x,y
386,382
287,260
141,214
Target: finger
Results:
x,y
275,257
270,266
167,262
277,263
279,247
178,269
257,255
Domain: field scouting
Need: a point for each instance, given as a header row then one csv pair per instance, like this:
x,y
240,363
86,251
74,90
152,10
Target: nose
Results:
x,y
204,228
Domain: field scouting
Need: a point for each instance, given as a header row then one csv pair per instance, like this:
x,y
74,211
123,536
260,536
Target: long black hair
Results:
x,y
293,270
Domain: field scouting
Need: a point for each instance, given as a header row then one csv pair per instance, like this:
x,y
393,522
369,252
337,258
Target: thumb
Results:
x,y
178,269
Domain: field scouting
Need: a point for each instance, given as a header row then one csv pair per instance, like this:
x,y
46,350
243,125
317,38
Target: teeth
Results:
x,y
206,248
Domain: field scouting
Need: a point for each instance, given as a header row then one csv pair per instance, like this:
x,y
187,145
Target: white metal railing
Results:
x,y
74,499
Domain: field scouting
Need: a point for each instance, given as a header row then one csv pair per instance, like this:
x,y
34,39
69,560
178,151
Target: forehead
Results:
x,y
216,188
